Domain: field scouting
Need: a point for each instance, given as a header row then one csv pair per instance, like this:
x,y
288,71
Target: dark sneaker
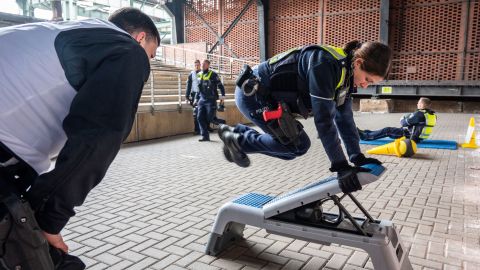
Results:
x,y
222,128
361,134
204,140
232,150
227,154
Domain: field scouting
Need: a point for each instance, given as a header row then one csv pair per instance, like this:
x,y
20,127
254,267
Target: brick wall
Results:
x,y
429,37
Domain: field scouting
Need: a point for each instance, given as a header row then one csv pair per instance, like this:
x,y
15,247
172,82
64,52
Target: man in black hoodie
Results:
x,y
69,90
416,126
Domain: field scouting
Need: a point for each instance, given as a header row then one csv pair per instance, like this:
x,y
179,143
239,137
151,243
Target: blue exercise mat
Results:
x,y
433,144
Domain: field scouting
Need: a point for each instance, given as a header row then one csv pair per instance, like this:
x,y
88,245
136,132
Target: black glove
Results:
x,y
360,160
347,176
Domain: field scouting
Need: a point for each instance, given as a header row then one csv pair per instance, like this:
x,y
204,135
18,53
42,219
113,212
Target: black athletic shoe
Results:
x,y
227,154
232,150
361,134
222,128
204,140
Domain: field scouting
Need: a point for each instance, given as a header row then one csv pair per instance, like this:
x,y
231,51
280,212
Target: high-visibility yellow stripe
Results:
x,y
206,77
342,78
430,122
336,52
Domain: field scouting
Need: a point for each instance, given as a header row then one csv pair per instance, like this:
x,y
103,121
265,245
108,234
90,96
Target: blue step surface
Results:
x,y
374,169
432,144
253,199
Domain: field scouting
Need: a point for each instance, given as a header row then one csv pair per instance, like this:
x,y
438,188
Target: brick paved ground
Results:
x,y
155,207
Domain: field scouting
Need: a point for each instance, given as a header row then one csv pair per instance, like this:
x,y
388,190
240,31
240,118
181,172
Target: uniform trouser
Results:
x,y
391,132
253,141
206,112
195,121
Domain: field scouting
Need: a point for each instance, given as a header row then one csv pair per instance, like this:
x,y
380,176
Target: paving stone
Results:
x,y
131,256
225,264
165,262
108,258
202,266
293,265
315,263
152,212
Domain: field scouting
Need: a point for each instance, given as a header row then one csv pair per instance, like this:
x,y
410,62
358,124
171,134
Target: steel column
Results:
x,y
208,26
463,43
231,26
175,10
262,14
57,10
384,13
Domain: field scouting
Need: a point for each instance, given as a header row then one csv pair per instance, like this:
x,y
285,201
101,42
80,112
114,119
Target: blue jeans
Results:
x,y
206,112
392,132
252,141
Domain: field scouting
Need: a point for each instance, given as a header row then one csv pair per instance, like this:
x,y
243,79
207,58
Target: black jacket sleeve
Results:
x,y
100,118
322,80
347,128
189,87
416,122
219,84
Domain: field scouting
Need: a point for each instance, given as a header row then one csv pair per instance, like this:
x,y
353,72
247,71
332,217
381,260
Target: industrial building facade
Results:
x,y
432,39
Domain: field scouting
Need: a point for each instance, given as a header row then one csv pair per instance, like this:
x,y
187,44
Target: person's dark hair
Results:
x,y
134,20
377,57
207,61
197,61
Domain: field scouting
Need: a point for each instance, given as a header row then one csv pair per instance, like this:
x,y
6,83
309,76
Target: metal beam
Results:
x,y
175,10
384,13
231,26
321,17
57,10
208,26
262,14
464,37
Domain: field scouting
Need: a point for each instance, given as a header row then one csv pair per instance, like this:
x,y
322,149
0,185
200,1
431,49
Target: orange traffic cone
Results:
x,y
470,141
400,148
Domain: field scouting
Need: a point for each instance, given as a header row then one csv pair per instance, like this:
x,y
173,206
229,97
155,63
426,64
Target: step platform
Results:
x,y
430,144
299,214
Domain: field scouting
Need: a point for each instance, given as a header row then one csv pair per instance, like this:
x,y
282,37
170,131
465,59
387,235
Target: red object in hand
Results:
x,y
271,115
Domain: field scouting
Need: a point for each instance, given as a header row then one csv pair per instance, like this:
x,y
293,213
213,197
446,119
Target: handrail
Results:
x,y
178,84
181,57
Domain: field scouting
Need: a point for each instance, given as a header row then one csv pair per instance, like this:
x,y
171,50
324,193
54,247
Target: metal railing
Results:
x,y
181,57
178,88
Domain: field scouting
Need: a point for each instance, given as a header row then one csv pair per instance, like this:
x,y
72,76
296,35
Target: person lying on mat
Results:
x,y
417,125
